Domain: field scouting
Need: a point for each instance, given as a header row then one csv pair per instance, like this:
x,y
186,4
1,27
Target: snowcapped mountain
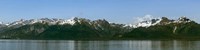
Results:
x,y
48,21
164,28
43,26
100,24
147,22
75,27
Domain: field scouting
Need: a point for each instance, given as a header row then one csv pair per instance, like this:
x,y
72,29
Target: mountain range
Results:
x,y
81,28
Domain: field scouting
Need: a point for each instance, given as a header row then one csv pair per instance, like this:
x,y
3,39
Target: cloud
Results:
x,y
145,18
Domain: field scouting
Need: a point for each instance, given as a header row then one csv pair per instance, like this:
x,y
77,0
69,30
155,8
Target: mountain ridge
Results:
x,y
81,28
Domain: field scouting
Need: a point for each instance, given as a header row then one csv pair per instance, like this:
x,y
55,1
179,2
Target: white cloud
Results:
x,y
145,18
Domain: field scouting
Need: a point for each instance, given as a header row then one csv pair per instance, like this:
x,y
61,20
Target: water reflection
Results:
x,y
97,45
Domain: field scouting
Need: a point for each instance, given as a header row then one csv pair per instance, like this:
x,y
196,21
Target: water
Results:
x,y
98,45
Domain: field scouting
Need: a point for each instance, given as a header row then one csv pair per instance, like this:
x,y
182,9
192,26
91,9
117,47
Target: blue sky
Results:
x,y
119,11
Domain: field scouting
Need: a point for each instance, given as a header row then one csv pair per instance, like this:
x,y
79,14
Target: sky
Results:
x,y
118,11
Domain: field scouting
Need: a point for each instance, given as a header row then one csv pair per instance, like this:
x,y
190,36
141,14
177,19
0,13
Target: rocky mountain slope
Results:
x,y
183,28
81,28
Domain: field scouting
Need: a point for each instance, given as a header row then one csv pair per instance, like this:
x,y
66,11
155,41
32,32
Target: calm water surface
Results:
x,y
98,45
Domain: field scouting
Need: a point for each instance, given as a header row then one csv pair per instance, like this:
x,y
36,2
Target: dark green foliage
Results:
x,y
68,32
150,32
103,30
188,30
26,32
183,31
82,30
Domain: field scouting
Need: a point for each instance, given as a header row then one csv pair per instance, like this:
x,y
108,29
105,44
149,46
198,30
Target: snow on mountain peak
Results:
x,y
182,19
69,21
146,21
49,21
